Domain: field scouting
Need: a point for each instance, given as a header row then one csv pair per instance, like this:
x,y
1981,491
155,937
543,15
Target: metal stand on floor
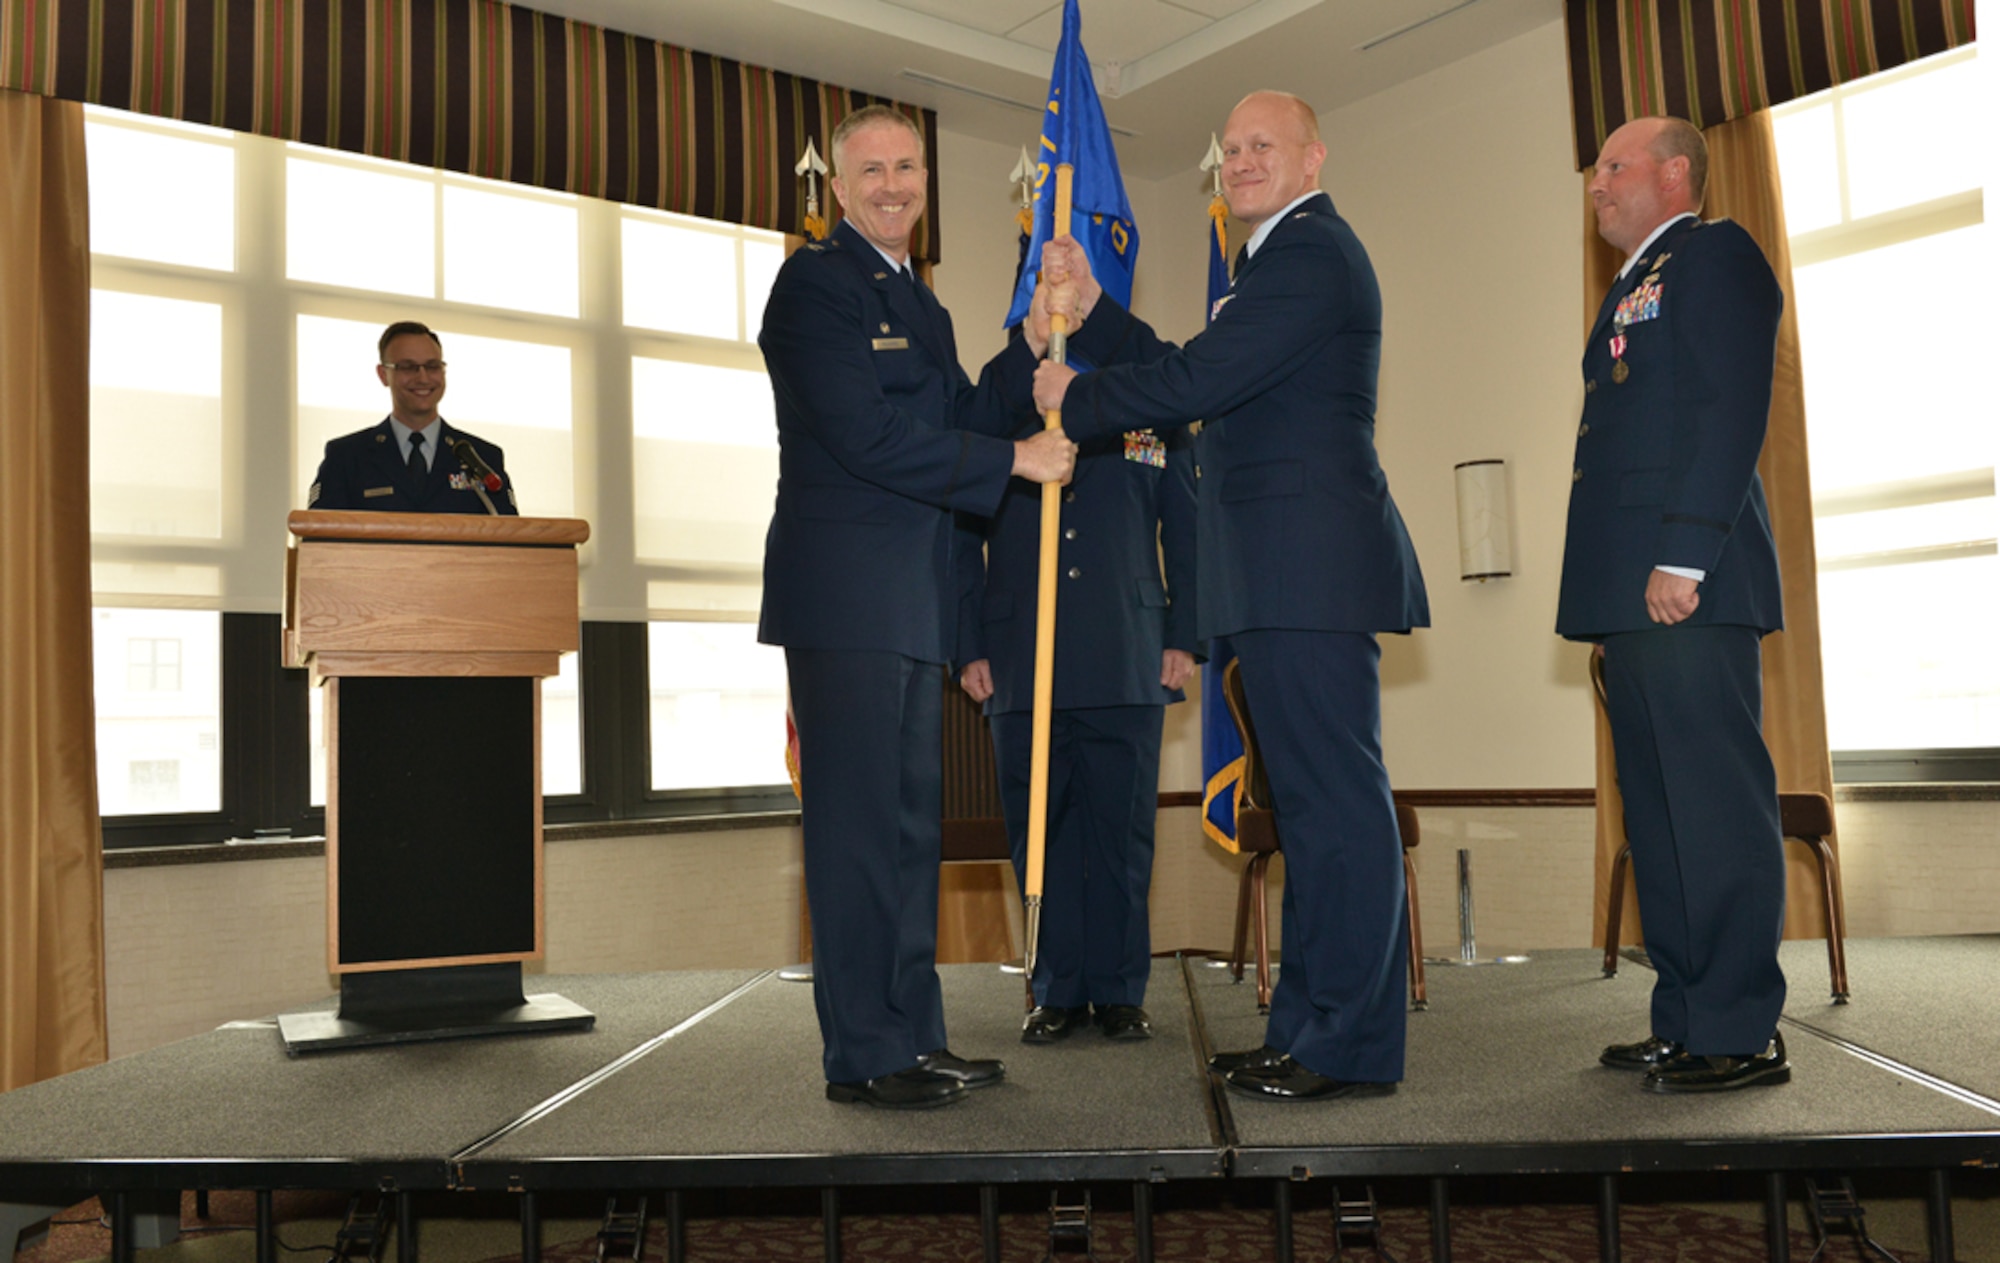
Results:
x,y
1834,1205
1359,1224
1468,949
1069,1227
623,1235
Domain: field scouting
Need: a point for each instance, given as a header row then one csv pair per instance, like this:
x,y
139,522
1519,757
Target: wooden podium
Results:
x,y
431,633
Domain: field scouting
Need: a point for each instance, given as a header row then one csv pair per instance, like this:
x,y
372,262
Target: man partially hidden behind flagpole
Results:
x,y
880,437
1124,633
1303,560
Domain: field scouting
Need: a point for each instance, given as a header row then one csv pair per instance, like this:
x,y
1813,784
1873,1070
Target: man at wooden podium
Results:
x,y
412,462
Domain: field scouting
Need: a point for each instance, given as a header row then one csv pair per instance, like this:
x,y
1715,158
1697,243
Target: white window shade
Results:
x,y
159,197
504,249
705,472
360,228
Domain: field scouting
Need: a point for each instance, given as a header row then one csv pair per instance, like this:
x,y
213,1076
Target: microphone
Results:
x,y
473,465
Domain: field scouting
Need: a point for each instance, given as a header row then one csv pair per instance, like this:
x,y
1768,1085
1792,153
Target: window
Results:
x,y
159,710
239,284
1892,260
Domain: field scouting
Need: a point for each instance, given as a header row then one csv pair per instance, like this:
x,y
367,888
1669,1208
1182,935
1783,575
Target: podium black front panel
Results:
x,y
436,817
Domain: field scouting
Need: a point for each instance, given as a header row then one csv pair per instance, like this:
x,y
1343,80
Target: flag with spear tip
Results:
x,y
1087,201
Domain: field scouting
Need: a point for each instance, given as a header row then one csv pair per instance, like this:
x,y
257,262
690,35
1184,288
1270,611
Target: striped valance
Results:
x,y
1709,61
473,86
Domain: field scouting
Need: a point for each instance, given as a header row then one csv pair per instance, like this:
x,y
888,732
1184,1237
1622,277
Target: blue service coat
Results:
x,y
1297,528
880,436
1666,460
366,470
1123,516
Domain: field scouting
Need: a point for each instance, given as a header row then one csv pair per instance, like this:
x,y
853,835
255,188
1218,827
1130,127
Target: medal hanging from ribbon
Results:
x,y
1619,369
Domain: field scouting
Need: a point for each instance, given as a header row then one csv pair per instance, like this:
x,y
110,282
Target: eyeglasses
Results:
x,y
409,368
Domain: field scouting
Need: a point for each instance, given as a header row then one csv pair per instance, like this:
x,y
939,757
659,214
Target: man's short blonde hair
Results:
x,y
869,116
1678,138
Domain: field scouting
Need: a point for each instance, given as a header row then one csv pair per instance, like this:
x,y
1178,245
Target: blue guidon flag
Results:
x,y
1074,131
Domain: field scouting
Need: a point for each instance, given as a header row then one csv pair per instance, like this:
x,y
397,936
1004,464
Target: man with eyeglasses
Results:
x,y
410,462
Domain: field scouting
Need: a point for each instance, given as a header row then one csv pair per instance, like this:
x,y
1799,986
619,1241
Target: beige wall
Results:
x,y
1462,187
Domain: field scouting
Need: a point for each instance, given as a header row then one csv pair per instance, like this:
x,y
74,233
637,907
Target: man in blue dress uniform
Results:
x,y
408,463
1125,646
1303,558
880,438
1670,568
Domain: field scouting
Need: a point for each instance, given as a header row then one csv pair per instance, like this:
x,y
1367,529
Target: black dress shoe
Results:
x,y
1256,1058
1287,1080
1046,1025
913,1089
1689,1073
978,1073
1124,1021
1644,1055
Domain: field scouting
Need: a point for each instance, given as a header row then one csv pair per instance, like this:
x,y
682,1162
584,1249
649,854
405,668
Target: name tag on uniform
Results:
x,y
1145,447
372,492
892,344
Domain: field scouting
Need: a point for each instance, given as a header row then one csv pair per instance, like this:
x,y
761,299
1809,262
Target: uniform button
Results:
x,y
1070,533
1590,387
1076,572
1197,471
1069,496
1576,475
1583,429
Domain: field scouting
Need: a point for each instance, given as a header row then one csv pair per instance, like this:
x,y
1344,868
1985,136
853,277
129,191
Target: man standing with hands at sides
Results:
x,y
1125,646
408,463
1669,566
880,438
1303,558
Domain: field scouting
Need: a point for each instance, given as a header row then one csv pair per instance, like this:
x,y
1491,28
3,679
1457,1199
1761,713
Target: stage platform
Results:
x,y
705,1080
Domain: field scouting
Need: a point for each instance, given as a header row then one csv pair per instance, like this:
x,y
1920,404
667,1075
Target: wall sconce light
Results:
x,y
1485,543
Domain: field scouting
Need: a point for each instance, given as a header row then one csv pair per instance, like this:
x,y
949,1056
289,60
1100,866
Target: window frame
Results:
x,y
265,737
1859,235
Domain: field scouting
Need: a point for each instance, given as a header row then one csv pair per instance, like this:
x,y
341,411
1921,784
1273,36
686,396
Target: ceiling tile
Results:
x,y
1216,8
995,17
1116,31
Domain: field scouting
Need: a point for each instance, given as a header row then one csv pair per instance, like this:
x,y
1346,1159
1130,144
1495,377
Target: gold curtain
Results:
x,y
51,861
1743,186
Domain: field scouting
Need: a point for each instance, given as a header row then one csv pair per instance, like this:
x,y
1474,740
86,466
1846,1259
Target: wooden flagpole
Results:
x,y
1045,632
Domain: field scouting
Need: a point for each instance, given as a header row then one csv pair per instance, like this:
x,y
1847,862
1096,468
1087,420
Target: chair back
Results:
x,y
975,827
1256,781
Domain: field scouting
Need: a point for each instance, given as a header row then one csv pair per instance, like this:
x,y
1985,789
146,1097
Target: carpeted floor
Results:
x,y
1212,1233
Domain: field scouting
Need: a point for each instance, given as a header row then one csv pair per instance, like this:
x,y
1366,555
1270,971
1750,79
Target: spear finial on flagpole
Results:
x,y
812,167
1213,165
1023,180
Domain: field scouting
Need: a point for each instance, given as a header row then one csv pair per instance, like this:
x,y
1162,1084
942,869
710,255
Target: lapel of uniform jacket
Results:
x,y
899,294
1641,268
1317,204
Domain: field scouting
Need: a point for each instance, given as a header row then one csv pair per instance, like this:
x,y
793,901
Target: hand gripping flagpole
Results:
x,y
1045,632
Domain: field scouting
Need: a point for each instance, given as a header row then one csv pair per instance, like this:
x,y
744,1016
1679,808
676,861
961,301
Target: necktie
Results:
x,y
419,470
